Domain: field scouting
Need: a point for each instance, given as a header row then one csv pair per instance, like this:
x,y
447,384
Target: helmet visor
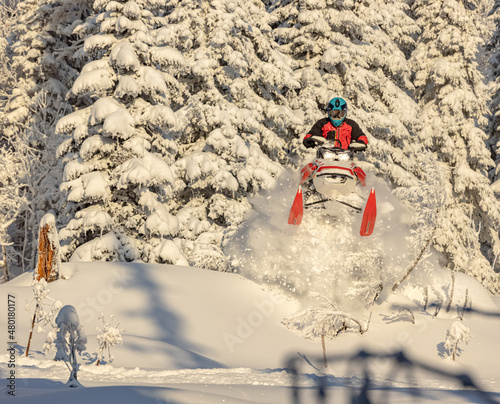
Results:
x,y
336,114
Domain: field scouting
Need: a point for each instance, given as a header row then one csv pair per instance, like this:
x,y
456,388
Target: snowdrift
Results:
x,y
191,334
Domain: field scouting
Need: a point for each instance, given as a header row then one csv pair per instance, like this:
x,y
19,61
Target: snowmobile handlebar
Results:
x,y
357,147
353,147
319,140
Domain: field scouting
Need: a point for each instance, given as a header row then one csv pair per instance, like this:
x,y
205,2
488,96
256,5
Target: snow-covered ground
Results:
x,y
198,336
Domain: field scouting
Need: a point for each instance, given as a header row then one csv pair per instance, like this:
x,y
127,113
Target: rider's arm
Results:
x,y
357,134
316,130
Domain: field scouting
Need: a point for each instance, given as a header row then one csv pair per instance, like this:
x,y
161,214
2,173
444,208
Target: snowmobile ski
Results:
x,y
369,215
297,210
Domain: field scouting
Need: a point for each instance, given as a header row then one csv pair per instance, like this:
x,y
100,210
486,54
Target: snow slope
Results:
x,y
198,336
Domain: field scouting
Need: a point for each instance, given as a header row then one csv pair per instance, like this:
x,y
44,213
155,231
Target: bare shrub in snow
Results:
x,y
110,336
42,313
209,257
326,319
467,305
426,200
452,291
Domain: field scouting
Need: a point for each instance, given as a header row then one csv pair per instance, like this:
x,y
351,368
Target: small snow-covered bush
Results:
x,y
324,320
41,314
110,336
456,334
70,339
210,257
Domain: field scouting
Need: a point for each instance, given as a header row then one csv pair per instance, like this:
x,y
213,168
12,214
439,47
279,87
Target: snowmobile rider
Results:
x,y
346,133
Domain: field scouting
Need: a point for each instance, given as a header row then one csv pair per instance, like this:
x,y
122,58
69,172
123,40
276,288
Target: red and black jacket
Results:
x,y
343,135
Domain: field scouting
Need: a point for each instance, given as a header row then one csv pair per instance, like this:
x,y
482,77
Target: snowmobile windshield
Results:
x,y
328,152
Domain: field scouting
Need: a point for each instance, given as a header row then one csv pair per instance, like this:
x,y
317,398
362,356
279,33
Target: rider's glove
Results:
x,y
357,146
309,142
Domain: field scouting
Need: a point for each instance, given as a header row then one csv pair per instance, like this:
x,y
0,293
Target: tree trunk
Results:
x,y
452,291
325,361
417,259
31,332
45,256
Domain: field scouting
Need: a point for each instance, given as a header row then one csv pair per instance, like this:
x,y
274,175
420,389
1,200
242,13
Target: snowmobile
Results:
x,y
333,178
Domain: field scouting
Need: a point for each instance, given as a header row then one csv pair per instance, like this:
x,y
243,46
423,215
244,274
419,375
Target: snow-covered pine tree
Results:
x,y
7,77
40,57
12,203
493,46
449,85
235,122
120,144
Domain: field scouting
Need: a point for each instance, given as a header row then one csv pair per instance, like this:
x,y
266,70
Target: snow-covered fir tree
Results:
x,y
493,45
237,118
7,78
226,84
12,203
41,61
453,97
117,177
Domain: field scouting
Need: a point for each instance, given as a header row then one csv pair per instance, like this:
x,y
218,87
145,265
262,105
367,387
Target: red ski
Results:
x,y
369,215
297,210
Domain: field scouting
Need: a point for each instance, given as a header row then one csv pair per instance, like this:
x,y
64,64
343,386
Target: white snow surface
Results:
x,y
199,336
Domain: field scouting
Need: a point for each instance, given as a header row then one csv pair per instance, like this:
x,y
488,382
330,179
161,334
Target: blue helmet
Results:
x,y
337,111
